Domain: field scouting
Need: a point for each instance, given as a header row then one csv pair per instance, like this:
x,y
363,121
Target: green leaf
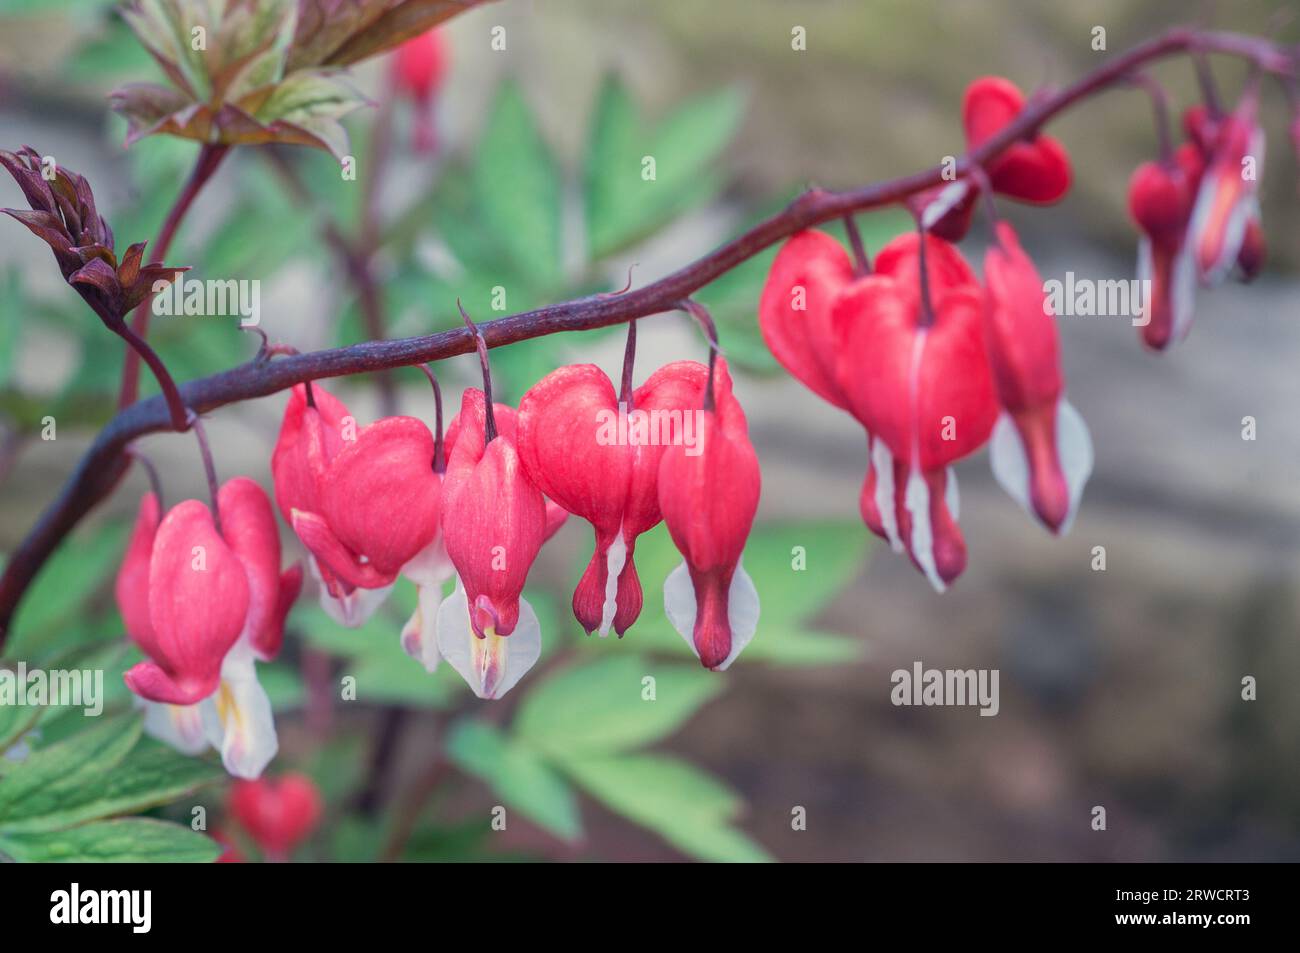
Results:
x,y
52,775
517,774
623,205
150,775
685,806
131,840
76,570
517,188
15,720
599,707
384,673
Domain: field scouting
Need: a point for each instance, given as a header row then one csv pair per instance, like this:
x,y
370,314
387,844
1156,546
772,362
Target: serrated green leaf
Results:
x,y
130,840
150,775
518,775
601,707
517,188
682,804
52,775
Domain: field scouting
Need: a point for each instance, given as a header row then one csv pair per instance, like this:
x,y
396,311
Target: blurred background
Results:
x,y
1119,688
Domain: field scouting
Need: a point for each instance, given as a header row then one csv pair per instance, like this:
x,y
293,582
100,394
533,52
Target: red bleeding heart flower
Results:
x,y
202,605
494,521
708,500
599,459
818,318
922,387
794,310
379,504
1160,200
1226,201
312,433
1036,170
278,813
185,597
419,66
1040,448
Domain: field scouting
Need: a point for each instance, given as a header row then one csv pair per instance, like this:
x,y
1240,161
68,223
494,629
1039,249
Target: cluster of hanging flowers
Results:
x,y
204,597
932,360
935,364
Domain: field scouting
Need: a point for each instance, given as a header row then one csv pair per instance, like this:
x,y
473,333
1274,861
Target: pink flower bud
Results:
x,y
1037,170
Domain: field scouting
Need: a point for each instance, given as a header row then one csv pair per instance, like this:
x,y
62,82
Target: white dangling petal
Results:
x,y
951,496
1009,461
420,634
882,461
352,610
1182,292
1235,228
948,198
742,609
1074,450
491,666
177,726
917,500
238,718
615,559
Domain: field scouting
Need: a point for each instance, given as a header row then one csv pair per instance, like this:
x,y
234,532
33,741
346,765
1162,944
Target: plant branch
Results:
x,y
104,461
205,165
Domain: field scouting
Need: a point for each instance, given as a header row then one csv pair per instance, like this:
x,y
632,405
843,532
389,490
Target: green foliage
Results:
x,y
517,186
685,806
623,204
56,612
599,707
53,804
126,841
518,774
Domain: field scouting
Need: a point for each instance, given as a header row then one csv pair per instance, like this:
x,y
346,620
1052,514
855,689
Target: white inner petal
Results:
x,y
420,634
742,609
947,199
614,562
502,659
917,500
1074,450
882,461
178,726
1182,291
1009,461
238,719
